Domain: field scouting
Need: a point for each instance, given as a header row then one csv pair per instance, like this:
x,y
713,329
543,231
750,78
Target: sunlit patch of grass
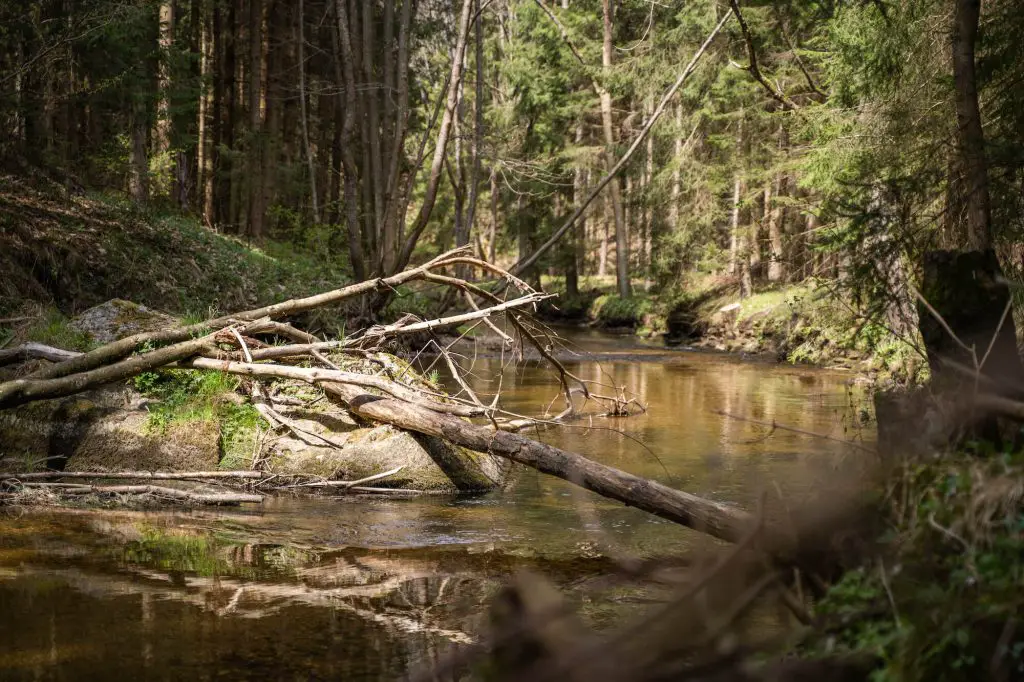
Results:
x,y
53,329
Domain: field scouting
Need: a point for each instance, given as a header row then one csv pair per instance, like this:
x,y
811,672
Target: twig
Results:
x,y
775,425
348,484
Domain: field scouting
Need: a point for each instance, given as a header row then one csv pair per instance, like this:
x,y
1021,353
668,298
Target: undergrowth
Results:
x,y
945,604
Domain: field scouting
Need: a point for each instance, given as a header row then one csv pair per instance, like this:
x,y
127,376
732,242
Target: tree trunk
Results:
x,y
492,238
615,192
375,179
343,62
776,269
303,115
677,177
572,279
256,142
476,169
602,256
734,226
394,214
971,137
443,134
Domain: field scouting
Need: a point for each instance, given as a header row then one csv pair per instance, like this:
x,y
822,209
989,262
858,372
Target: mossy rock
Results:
x,y
102,430
117,319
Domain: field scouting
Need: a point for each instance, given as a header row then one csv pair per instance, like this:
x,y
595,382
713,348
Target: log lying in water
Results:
x,y
141,475
155,490
718,520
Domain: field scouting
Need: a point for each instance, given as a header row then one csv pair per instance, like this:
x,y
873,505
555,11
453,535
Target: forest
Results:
x,y
323,250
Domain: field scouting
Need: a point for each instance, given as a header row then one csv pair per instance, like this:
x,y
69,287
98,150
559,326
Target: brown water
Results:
x,y
362,589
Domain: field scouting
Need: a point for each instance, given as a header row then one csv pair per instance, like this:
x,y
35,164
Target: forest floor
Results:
x,y
63,251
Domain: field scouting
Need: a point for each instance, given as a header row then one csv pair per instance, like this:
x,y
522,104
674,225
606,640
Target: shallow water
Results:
x,y
363,589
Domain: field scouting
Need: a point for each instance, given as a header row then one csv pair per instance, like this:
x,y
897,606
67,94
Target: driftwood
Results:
x,y
137,475
31,351
155,490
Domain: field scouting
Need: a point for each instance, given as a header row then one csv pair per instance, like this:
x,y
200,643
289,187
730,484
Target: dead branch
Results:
x,y
139,475
26,390
32,351
122,348
154,490
753,68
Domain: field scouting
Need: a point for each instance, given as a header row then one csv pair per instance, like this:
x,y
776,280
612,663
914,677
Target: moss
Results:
x,y
185,397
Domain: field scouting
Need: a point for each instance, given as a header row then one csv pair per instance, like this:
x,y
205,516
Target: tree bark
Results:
x,y
343,62
615,192
971,137
710,517
734,226
304,117
256,142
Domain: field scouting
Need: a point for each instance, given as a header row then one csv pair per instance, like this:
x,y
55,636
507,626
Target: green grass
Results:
x,y
52,329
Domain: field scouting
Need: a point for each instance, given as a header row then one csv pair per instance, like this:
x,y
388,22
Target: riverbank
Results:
x,y
806,323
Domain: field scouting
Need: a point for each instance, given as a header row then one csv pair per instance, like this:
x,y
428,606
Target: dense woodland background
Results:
x,y
816,139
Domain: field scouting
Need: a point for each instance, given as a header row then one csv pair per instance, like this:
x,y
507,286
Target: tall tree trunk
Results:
x,y
351,199
971,137
776,269
648,221
394,215
208,113
478,121
734,226
572,281
304,116
492,237
677,174
256,142
602,258
372,95
777,220
444,132
162,141
615,192
139,180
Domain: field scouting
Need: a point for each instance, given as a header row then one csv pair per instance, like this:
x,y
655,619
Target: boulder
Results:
x,y
117,319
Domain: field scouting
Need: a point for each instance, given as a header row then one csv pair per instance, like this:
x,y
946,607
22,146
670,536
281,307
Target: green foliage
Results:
x,y
610,310
938,608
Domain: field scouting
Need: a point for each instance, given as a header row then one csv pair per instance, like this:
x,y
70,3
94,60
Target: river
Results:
x,y
364,588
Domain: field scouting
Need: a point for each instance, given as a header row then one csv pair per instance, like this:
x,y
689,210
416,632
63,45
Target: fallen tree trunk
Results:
x,y
22,391
318,376
122,348
715,519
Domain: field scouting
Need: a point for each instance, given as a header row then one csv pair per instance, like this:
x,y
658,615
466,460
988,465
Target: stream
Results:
x,y
364,588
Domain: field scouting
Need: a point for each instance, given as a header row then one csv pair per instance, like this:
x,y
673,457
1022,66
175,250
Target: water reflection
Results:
x,y
362,589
